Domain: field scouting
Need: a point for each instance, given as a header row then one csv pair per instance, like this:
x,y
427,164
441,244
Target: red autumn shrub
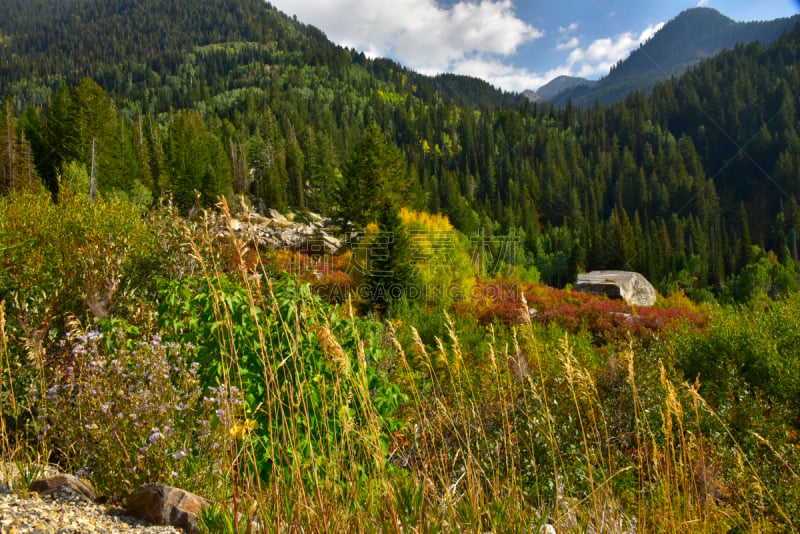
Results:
x,y
607,319
333,287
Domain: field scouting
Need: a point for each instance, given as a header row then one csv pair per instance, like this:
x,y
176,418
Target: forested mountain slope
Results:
x,y
156,41
240,98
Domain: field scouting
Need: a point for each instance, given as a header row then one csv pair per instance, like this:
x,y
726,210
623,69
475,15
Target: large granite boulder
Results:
x,y
632,287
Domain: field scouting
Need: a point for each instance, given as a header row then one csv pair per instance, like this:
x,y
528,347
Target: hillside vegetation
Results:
x,y
439,373
136,351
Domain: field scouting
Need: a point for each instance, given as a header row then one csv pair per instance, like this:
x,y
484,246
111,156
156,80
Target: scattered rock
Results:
x,y
632,287
312,237
275,215
164,505
256,218
66,487
237,225
30,514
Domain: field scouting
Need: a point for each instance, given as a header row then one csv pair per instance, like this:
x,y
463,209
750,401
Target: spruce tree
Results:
x,y
17,170
198,162
375,173
389,269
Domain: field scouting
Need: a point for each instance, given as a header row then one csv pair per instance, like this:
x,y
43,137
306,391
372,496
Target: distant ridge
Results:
x,y
693,35
556,86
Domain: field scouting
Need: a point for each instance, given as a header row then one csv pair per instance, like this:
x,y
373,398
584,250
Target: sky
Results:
x,y
513,44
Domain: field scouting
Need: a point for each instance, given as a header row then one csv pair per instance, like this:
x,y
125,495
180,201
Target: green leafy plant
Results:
x,y
305,372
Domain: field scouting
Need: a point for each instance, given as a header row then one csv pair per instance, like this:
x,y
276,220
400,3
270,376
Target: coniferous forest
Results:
x,y
121,160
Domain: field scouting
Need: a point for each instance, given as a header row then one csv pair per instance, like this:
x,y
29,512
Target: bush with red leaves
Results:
x,y
606,319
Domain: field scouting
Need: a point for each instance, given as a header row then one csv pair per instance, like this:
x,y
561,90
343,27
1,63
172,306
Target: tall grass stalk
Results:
x,y
312,496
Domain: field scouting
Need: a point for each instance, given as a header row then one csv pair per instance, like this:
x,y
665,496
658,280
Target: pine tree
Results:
x,y
376,173
294,169
239,167
320,169
267,157
17,171
101,140
198,162
389,268
58,144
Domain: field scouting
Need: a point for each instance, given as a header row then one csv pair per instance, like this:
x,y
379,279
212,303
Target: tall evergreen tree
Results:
x,y
389,267
17,170
198,162
375,174
102,142
58,143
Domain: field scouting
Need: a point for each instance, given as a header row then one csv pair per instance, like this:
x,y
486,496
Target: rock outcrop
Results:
x,y
164,505
632,287
310,234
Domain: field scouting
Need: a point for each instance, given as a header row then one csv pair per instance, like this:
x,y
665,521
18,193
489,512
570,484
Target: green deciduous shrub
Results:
x,y
71,259
74,258
747,352
313,380
747,363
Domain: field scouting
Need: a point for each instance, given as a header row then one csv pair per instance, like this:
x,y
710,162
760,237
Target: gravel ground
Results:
x,y
21,515
59,514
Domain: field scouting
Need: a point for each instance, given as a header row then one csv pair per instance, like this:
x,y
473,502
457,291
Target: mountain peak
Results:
x,y
694,34
701,11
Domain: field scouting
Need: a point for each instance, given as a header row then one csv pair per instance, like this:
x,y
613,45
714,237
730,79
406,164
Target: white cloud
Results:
x,y
702,3
420,34
598,58
568,44
472,37
571,28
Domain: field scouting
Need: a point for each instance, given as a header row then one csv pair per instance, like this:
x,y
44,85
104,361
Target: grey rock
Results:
x,y
64,486
332,243
256,218
277,231
275,215
237,225
306,229
164,505
632,287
